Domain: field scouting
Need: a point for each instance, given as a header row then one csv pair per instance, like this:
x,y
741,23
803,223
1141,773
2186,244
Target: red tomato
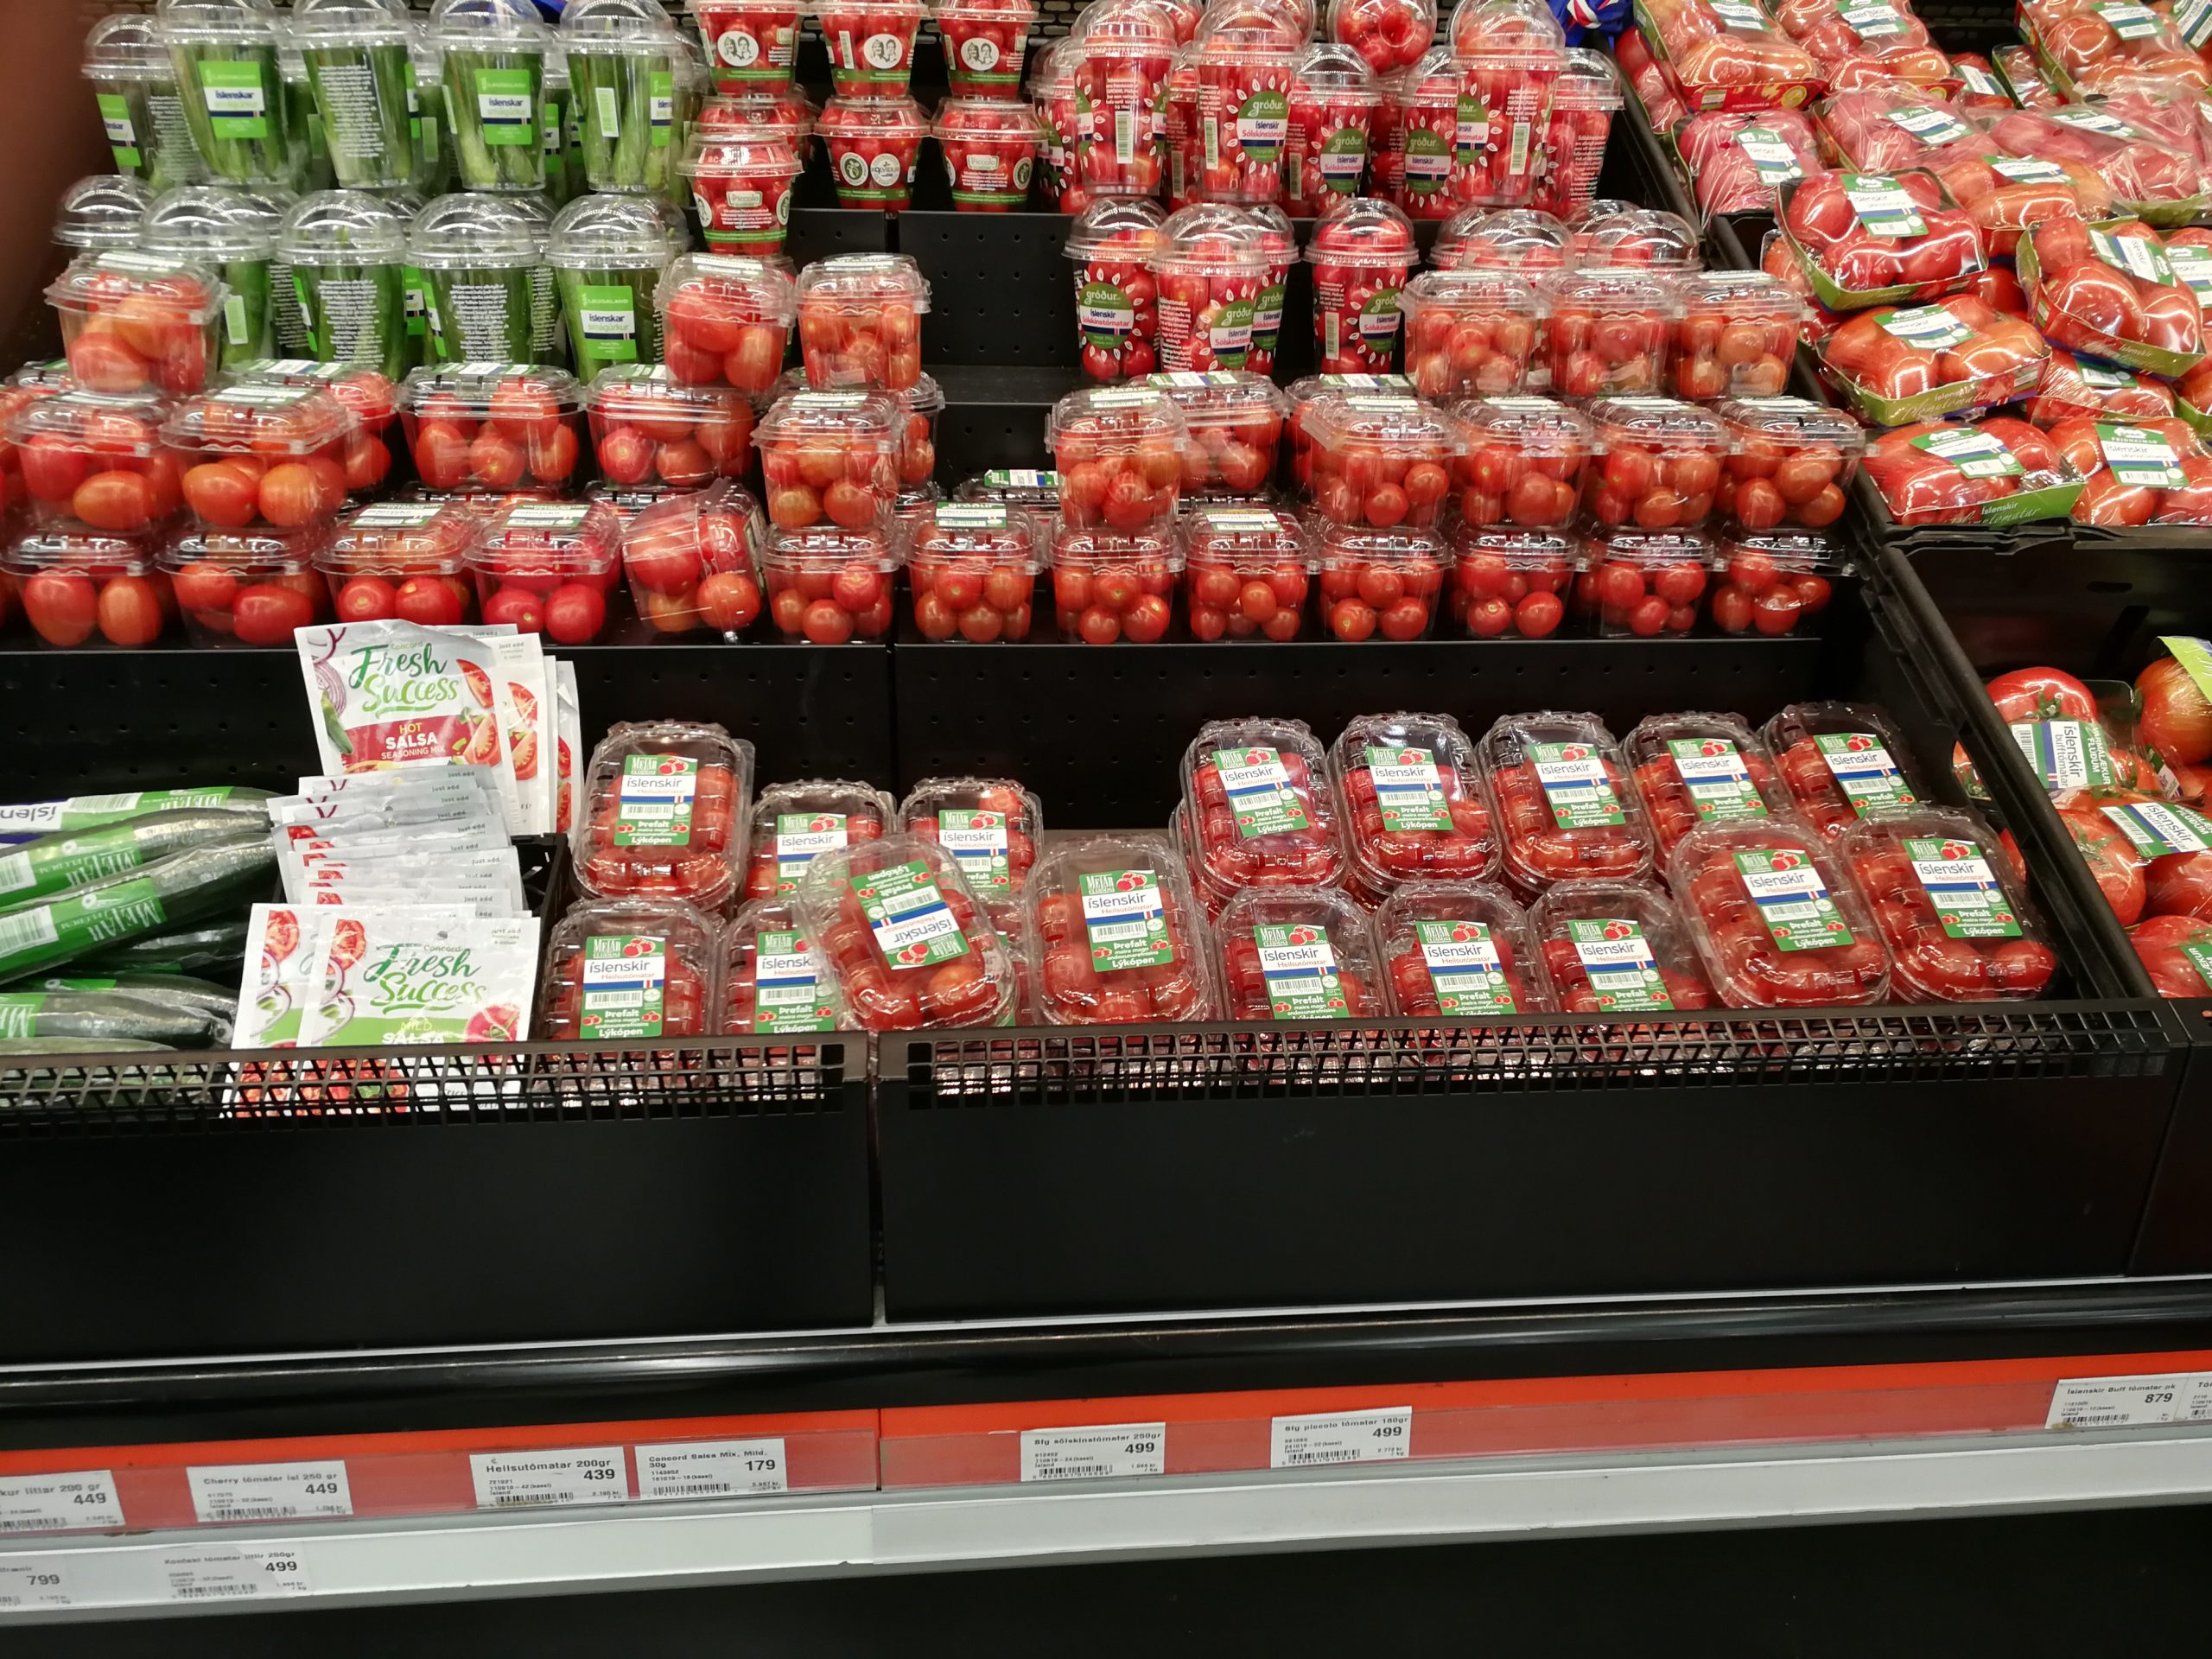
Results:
x,y
366,598
114,501
224,494
203,586
2177,719
575,611
130,610
267,614
291,495
428,600
62,608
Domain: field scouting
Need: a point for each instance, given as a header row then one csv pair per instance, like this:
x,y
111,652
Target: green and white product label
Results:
x,y
978,842
1968,900
1427,161
1793,900
1975,453
1877,20
1720,784
970,515
1341,159
1463,966
1261,123
2138,256
1267,315
1022,478
1105,314
1260,791
1882,205
237,97
2100,376
2192,20
1623,974
1470,131
2129,21
2156,830
88,811
1930,327
1409,788
2026,170
64,926
1775,162
19,1012
2193,655
507,108
1229,334
1981,82
1379,317
625,987
550,515
1576,786
660,106
1299,966
913,924
1125,920
2085,120
1740,14
1931,127
787,987
2139,455
2200,958
415,301
398,515
1864,770
2068,753
49,867
654,799
799,838
122,137
608,319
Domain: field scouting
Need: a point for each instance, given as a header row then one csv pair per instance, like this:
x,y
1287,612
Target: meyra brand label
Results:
x,y
1931,127
654,800
799,838
1739,14
1864,770
1125,920
1260,791
625,987
1930,327
2102,375
1623,974
1766,150
1793,902
1970,902
1713,771
787,986
1300,965
1576,786
1981,82
1883,205
1974,453
978,842
2156,828
2140,456
1464,967
1409,788
906,912
2068,753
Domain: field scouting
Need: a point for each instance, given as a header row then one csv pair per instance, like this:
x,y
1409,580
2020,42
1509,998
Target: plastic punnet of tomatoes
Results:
x,y
649,429
80,586
1458,949
1775,582
2075,734
860,321
1511,581
1950,907
1510,55
1470,332
2110,290
1644,583
1617,947
2093,45
793,823
134,321
748,42
1116,298
1108,586
1565,807
2139,472
1695,769
2176,952
906,938
1877,238
690,560
1842,762
1730,55
491,429
1738,161
1778,916
667,814
1116,936
1307,393
1387,34
742,183
1519,239
1361,252
1611,234
1573,151
1896,366
1331,115
547,567
629,969
1305,953
1415,801
1234,421
1890,125
984,42
871,42
1522,464
923,401
991,827
1208,264
876,147
828,585
1736,337
1659,463
774,981
261,457
831,460
726,319
1119,54
1385,582
1118,450
92,456
1999,471
402,559
377,445
1261,811
247,587
1244,53
2074,387
1609,331
1381,462
989,149
1247,570
971,569
1789,461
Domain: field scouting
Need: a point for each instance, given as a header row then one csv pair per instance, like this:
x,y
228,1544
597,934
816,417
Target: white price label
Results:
x,y
222,1573
270,1492
1342,1437
83,1498
548,1479
712,1469
1097,1451
2130,1401
43,1582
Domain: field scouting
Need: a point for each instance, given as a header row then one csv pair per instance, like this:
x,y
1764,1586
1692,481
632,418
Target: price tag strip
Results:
x,y
58,1502
270,1491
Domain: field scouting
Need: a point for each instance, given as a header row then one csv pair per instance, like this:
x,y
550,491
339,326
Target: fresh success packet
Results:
x,y
568,741
525,701
284,943
390,977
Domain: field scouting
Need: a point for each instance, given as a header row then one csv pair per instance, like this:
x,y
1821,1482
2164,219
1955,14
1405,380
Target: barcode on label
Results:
x,y
1342,1437
27,932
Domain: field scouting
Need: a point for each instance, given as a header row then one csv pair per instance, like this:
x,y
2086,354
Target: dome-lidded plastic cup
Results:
x,y
608,254
741,184
357,56
233,234
623,58
486,289
1119,53
225,53
875,144
347,253
871,42
1213,260
748,42
1279,240
1244,53
1361,253
311,168
1332,113
1584,100
1116,305
984,40
1052,89
495,55
989,146
135,82
105,210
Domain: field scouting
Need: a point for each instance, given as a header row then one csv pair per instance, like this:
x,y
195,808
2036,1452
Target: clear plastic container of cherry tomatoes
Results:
x,y
860,321
1116,299
1247,572
1381,462
792,823
1261,807
1842,762
773,981
971,569
93,457
1415,801
1790,461
668,806
1617,947
1470,332
1109,586
405,559
1304,953
1116,937
261,457
1385,582
492,427
649,430
923,401
690,561
1955,918
828,585
1645,584
1572,153
1332,111
1118,54
1565,805
134,321
629,970
1512,582
984,42
1523,463
1520,239
1737,337
1660,462
871,42
1209,265
1458,949
876,147
726,319
547,567
1388,34
248,587
1611,234
1361,250
1306,394
906,937
80,586
1610,331
1694,769
831,460
1774,583
376,447
1234,421
741,183
1777,917
1118,449
989,148
990,826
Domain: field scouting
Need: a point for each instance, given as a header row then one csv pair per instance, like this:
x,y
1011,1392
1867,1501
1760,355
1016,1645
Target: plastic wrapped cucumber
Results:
x,y
202,884
232,232
347,253
108,1014
216,947
225,52
608,254
493,54
214,1003
622,57
135,85
72,1046
360,71
37,819
76,858
486,290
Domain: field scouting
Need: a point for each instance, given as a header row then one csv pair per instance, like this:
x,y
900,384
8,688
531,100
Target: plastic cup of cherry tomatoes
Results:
x,y
1660,463
989,148
247,587
1522,464
1617,947
1307,953
1566,807
1584,101
923,402
984,43
1243,53
485,429
1333,102
1455,949
1415,803
1777,917
1209,266
971,569
1388,34
1361,253
1470,334
403,559
81,586
667,805
1842,762
650,431
906,937
991,828
547,567
261,457
1736,335
1278,249
1868,239
1381,462
831,460
1417,153
726,319
794,823
826,585
871,43
1116,297
741,184
1386,583
1108,586
689,561
1954,914
1234,421
634,970
773,981
1508,581
1247,572
776,105
1512,54
1117,935
1789,462
876,147
1774,583
1610,331
1644,583
96,458
1118,451
1119,54
748,42
1701,768
134,321
860,321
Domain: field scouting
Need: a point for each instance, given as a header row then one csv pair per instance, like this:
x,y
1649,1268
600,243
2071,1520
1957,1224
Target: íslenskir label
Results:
x,y
2069,753
1381,1436
1464,967
913,924
653,800
2156,830
1099,1451
1768,153
787,987
1864,770
799,836
2138,455
60,1502
1930,327
1409,788
1125,920
1713,771
270,1492
1970,902
1793,900
548,1479
1299,966
1623,974
1931,127
2130,1401
1259,792
625,987
978,842
1576,786
712,1469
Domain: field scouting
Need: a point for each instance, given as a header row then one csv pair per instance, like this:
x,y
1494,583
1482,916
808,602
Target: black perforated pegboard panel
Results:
x,y
1001,289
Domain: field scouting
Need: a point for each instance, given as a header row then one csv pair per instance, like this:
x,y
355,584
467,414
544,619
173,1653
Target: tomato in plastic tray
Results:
x,y
1899,364
991,827
1955,918
1381,462
1840,761
257,457
1739,159
1383,581
1609,233
408,560
831,458
1980,88
1234,421
1889,127
1610,331
1999,471
2143,471
2176,952
2169,112
1694,769
1729,54
2073,387
547,566
1118,452
726,320
1415,801
668,803
1789,461
827,586
253,587
649,429
76,583
1777,917
1565,807
2024,78
774,981
971,568
481,427
1864,238
2148,177
2004,194
860,321
1654,86
93,457
1470,332
1644,583
1736,337
1524,462
1109,586
1660,465
1617,947
1260,808
1116,296
2093,44
1854,40
1306,953
689,560
629,969
1119,935
1458,949
1778,261
1500,239
792,823
910,944
1361,250
2112,290
1247,572
134,321
1773,582
1511,581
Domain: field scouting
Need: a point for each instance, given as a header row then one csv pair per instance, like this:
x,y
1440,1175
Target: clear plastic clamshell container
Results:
x,y
1790,461
1777,917
405,559
1842,762
1385,582
666,809
1950,907
1774,583
1738,335
792,823
1108,586
774,981
1262,810
1380,461
1619,947
629,970
133,320
1610,331
1566,807
1694,769
1644,583
1118,451
93,457
690,559
1247,571
1523,462
831,458
727,320
1116,935
492,427
1514,581
1459,949
991,827
1470,332
134,80
1415,801
549,567
1234,421
971,569
1300,953
262,457
1661,462
860,321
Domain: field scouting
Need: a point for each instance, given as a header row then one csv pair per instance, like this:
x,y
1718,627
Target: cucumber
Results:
x,y
75,1045
74,858
201,884
90,811
217,946
105,1016
218,1003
